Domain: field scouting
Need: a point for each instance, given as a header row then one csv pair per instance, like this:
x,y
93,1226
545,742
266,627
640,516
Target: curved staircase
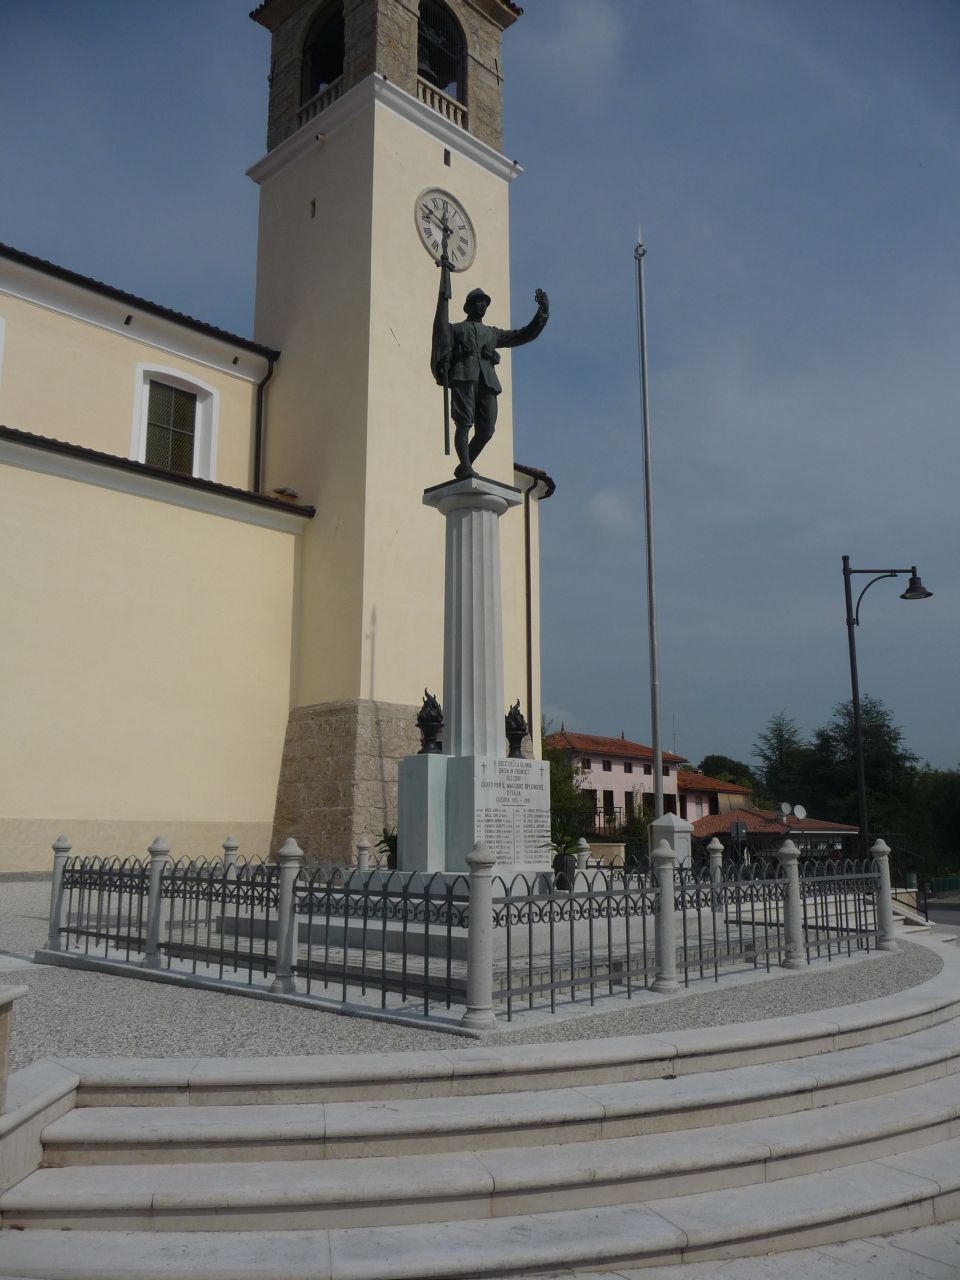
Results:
x,y
483,1162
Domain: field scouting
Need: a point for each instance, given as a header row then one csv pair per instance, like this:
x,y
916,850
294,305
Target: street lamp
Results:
x,y
915,591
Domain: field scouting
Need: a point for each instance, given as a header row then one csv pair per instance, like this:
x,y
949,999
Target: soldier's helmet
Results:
x,y
475,293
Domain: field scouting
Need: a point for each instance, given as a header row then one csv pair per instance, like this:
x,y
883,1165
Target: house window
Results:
x,y
628,806
666,771
174,422
608,803
607,766
648,769
683,806
627,766
322,52
171,426
441,50
585,764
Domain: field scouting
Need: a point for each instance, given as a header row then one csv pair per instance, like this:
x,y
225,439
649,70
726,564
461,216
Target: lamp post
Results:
x,y
915,591
639,253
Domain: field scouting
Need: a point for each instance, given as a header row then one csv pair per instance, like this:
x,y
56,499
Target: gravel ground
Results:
x,y
82,1013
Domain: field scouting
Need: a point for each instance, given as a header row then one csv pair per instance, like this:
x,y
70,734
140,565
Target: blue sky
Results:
x,y
794,165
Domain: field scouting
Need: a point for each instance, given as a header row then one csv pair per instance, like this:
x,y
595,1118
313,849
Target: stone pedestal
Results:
x,y
472,793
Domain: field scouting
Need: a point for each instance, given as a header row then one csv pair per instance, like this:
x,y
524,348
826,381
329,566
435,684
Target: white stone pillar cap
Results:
x,y
159,848
663,853
714,846
290,851
788,851
880,848
480,856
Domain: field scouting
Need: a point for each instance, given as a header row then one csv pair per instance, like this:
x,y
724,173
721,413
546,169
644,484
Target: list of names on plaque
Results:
x,y
513,811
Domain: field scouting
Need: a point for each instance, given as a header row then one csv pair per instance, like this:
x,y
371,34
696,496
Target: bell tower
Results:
x,y
374,103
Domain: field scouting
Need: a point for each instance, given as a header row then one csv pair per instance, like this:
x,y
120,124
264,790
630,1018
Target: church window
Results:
x,y
171,424
441,50
174,422
322,52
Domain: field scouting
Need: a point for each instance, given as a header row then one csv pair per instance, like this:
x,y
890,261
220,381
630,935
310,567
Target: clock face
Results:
x,y
429,212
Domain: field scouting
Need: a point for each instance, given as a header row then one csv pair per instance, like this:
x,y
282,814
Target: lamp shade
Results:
x,y
915,588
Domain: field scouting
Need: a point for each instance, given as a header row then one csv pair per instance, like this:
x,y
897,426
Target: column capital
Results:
x,y
475,492
880,849
160,848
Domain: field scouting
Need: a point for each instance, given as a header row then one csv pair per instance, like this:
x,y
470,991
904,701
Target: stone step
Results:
x,y
317,1193
278,1131
891,1194
508,1068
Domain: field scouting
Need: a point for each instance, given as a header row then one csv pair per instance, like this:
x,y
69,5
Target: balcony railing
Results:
x,y
320,101
454,111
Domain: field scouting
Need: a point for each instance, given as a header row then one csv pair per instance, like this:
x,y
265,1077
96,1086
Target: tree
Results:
x,y
726,769
781,751
889,767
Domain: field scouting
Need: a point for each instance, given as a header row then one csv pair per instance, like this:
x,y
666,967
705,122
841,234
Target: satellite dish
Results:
x,y
799,812
785,808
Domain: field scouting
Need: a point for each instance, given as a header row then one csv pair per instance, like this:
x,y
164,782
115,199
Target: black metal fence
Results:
x,y
397,940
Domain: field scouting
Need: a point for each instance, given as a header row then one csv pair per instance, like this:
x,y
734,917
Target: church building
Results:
x,y
224,592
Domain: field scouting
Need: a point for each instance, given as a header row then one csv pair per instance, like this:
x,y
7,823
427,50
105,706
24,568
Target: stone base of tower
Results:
x,y
338,776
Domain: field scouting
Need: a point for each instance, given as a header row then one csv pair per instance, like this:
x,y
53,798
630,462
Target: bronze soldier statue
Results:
x,y
464,357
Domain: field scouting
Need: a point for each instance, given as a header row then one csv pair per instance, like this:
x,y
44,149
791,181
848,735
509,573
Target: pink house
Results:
x,y
619,773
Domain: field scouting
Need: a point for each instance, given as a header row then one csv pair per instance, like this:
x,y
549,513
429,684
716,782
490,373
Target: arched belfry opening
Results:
x,y
442,50
323,51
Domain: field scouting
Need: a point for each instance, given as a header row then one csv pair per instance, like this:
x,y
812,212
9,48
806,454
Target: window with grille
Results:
x,y
171,428
322,52
441,50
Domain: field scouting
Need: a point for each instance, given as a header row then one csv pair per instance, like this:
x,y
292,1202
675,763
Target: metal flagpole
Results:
x,y
639,253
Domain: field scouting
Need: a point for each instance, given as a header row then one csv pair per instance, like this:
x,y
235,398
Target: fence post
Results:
x,y
159,853
885,938
291,860
363,854
583,854
715,850
793,958
479,1015
665,942
231,847
61,852
677,832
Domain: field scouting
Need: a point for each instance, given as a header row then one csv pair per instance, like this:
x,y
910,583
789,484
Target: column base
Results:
x,y
793,963
665,986
285,986
479,1020
888,944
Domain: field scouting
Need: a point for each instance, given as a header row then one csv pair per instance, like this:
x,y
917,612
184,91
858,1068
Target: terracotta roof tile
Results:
x,y
765,822
593,745
692,780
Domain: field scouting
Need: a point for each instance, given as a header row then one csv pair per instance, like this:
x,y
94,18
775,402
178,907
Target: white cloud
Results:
x,y
613,512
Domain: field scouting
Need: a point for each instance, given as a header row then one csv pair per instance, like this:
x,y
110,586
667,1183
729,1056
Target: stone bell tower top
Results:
x,y
447,53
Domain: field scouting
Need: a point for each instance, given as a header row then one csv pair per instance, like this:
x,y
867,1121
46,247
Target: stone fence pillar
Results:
x,y
677,832
231,847
7,997
715,851
665,937
885,939
793,957
583,854
291,860
61,852
363,854
479,1015
159,856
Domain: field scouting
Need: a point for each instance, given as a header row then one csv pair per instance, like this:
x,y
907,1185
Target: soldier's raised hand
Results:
x,y
543,302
